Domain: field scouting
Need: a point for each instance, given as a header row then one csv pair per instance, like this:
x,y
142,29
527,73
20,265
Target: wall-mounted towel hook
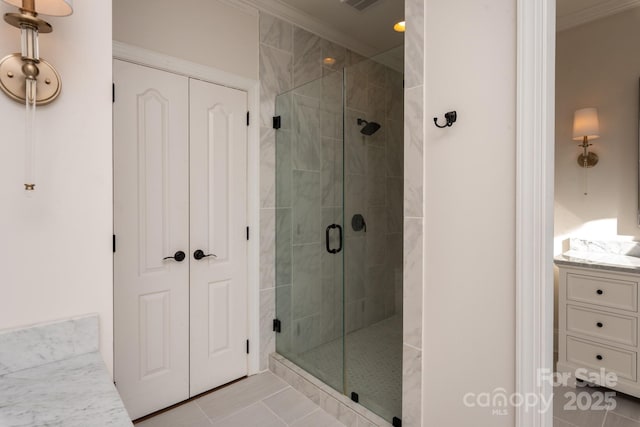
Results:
x,y
450,117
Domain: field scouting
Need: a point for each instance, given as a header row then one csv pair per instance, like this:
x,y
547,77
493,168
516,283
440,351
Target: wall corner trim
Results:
x,y
534,205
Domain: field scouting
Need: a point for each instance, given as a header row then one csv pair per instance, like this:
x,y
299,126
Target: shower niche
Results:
x,y
339,224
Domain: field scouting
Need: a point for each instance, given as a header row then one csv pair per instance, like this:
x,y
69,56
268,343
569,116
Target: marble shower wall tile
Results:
x,y
395,148
335,51
307,333
306,207
355,144
307,136
284,169
283,312
331,172
36,345
275,78
414,43
267,168
267,336
307,57
307,284
413,153
276,33
355,269
357,93
395,205
267,243
283,246
413,273
411,387
413,169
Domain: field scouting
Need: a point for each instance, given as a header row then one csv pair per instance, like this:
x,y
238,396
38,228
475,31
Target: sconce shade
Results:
x,y
48,7
585,123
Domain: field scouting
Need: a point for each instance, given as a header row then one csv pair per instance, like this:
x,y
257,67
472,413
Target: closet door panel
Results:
x,y
218,159
151,222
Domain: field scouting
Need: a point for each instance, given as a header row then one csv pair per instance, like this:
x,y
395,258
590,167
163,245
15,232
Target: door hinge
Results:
x,y
277,122
247,233
247,346
113,92
277,325
114,243
248,118
397,422
355,397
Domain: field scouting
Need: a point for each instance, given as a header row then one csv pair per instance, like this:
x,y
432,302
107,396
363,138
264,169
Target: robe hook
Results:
x,y
450,117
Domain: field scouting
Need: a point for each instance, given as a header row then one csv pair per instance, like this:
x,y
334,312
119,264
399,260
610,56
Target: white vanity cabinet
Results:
x,y
598,324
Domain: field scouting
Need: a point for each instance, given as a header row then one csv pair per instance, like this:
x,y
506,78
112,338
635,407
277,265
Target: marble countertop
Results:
x,y
599,260
74,392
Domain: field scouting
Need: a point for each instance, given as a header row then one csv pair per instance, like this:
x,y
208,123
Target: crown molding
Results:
x,y
607,8
307,22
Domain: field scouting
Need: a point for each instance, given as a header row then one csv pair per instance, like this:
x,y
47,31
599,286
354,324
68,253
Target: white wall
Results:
x,y
598,66
210,33
55,253
469,289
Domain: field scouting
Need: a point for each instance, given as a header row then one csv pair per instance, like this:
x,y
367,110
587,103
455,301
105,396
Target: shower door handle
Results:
x,y
328,238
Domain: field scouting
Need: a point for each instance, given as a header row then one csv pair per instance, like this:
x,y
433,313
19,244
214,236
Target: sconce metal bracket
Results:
x,y
12,80
592,160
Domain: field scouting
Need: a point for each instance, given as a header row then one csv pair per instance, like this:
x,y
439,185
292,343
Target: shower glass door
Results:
x,y
339,230
309,228
374,158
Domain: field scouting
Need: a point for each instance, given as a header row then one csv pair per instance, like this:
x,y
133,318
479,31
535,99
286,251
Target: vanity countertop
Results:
x,y
599,260
53,375
74,392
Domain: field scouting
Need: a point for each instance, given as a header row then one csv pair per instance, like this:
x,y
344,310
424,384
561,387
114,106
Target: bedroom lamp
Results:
x,y
585,127
24,76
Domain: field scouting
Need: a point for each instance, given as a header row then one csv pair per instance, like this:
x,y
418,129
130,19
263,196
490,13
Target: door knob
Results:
x,y
178,256
199,254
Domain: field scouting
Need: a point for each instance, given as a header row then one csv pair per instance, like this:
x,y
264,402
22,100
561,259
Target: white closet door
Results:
x,y
218,187
151,222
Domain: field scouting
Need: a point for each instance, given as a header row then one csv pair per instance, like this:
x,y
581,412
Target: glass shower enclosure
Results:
x,y
339,220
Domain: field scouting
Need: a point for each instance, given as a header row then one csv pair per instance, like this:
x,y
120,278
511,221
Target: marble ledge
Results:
x,y
74,392
599,260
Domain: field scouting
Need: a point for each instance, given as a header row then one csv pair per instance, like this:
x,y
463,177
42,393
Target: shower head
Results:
x,y
369,127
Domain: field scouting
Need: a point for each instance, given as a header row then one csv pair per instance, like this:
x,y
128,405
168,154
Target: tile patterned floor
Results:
x,y
266,401
625,414
262,400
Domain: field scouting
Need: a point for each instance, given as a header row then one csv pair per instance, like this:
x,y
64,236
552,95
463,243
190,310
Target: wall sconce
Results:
x,y
586,126
27,78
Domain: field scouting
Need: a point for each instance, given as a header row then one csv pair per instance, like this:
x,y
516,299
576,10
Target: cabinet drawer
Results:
x,y
596,356
601,325
603,291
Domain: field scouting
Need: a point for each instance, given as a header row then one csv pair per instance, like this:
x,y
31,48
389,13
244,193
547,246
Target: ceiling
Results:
x,y
571,13
372,27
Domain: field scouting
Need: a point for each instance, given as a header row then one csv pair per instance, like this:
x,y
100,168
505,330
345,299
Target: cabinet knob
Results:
x,y
600,292
599,357
599,325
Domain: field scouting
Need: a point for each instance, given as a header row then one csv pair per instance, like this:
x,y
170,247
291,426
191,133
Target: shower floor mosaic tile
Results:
x,y
373,365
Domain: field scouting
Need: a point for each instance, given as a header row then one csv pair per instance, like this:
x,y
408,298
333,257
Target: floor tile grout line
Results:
x,y
202,410
245,407
273,412
622,416
318,409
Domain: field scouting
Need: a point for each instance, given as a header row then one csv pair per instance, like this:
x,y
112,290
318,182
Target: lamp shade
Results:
x,y
47,7
585,123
